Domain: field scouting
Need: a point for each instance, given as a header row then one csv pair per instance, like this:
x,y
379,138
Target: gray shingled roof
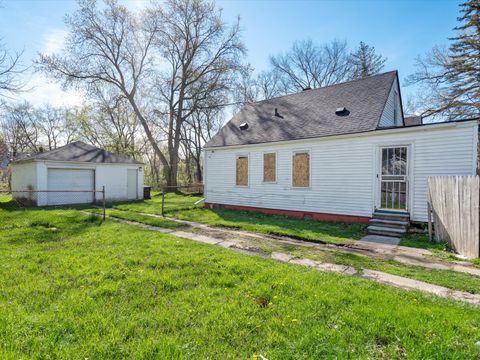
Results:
x,y
78,151
412,120
310,113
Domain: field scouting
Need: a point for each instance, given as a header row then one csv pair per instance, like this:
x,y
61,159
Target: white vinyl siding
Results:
x,y
392,113
342,170
24,178
113,176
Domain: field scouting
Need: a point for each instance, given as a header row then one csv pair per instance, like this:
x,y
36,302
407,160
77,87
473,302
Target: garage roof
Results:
x,y
78,151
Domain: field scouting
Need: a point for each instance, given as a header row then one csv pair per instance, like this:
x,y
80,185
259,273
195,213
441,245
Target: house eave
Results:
x,y
87,163
378,131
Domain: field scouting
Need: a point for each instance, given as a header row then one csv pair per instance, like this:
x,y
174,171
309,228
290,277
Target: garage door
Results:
x,y
70,179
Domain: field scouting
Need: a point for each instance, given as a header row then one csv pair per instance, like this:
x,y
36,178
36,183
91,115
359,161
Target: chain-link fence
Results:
x,y
52,198
177,198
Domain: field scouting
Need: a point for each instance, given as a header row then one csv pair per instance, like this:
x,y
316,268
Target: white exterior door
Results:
x,y
67,180
132,184
393,178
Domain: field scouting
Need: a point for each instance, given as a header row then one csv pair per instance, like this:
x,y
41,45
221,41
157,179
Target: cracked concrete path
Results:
x,y
378,276
402,254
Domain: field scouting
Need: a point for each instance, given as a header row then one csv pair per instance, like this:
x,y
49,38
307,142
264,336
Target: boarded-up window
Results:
x,y
242,171
269,167
301,169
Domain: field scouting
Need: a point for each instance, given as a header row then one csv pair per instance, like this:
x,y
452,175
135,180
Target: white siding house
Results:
x,y
344,170
353,170
69,175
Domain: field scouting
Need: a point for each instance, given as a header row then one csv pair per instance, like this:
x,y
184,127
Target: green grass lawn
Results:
x,y
181,207
447,278
450,279
144,219
173,202
421,241
74,287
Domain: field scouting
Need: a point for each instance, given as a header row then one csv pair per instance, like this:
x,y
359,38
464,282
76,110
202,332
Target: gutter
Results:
x,y
23,161
378,131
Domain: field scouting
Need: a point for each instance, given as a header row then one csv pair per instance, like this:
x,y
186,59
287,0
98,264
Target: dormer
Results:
x,y
392,114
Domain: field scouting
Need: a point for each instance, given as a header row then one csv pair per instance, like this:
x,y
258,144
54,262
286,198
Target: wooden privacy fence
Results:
x,y
453,201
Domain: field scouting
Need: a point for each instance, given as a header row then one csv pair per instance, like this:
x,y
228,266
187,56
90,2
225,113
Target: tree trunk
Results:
x,y
198,166
166,167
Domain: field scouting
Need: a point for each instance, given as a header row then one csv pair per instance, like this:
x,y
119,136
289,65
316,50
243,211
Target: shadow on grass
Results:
x,y
312,230
20,224
421,241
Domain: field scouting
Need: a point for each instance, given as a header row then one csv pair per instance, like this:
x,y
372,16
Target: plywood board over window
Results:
x,y
269,167
242,171
301,169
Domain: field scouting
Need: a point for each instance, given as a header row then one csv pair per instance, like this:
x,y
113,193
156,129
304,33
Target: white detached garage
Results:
x,y
71,175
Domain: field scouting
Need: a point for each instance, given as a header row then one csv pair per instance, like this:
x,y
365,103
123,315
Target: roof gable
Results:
x,y
78,151
310,114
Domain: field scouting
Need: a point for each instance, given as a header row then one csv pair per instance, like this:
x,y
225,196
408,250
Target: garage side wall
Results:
x,y
24,177
114,178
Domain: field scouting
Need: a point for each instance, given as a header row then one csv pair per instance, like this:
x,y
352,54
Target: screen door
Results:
x,y
394,178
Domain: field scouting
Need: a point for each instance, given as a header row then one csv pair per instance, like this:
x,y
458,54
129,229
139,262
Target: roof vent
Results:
x,y
342,111
277,114
307,88
243,126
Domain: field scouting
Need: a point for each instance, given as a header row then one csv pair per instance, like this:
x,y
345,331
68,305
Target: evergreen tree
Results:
x,y
450,76
463,71
366,62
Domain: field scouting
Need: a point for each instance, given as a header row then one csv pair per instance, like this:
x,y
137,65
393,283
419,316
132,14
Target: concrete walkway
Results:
x,y
378,239
384,278
402,254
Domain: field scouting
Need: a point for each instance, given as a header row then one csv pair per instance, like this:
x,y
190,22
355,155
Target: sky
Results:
x,y
400,30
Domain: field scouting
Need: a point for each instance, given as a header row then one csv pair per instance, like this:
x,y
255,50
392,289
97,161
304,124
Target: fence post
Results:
x,y
430,231
103,200
163,202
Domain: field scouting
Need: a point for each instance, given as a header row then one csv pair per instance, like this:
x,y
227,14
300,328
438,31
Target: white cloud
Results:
x,y
134,4
41,89
140,4
44,91
53,41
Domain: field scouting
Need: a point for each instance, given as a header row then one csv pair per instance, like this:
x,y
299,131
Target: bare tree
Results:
x,y
308,65
268,85
10,71
265,85
186,39
199,128
20,130
108,47
109,122
50,123
27,129
202,56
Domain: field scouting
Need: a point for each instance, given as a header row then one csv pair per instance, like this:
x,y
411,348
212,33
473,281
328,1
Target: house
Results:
x,y
340,153
71,173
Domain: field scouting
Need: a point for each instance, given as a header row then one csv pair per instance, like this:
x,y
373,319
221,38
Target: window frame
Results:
x,y
302,151
242,155
276,166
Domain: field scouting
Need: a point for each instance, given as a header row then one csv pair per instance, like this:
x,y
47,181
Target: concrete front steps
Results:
x,y
388,223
